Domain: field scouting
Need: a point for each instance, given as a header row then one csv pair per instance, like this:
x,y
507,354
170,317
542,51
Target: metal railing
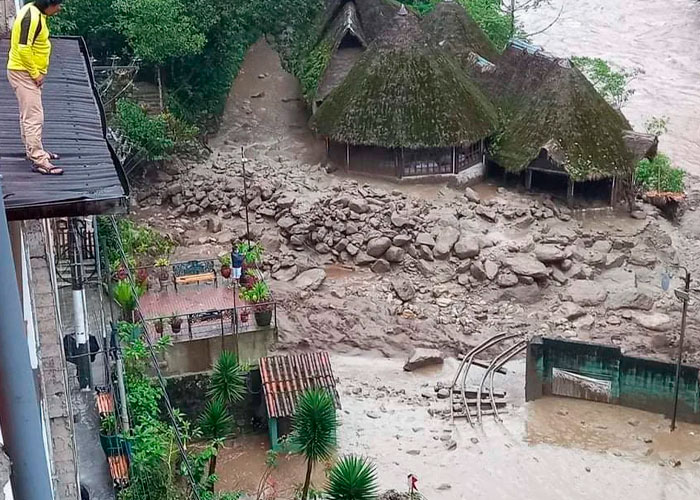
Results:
x,y
236,320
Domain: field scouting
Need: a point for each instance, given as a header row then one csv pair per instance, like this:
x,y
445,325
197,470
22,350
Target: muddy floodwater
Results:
x,y
554,448
660,37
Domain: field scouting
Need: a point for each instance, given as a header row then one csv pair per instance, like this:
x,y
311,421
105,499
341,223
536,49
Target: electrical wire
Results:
x,y
156,368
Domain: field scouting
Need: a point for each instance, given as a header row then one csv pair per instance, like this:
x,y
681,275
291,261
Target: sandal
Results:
x,y
47,169
52,156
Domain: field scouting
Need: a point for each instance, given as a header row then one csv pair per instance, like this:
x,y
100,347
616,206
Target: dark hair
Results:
x,y
42,5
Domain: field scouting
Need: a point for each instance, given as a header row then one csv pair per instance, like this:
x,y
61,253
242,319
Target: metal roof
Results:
x,y
284,378
93,181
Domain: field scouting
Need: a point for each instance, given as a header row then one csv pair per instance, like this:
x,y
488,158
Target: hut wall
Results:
x,y
427,161
374,160
469,156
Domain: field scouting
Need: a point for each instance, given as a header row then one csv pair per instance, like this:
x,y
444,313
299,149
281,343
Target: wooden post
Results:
x,y
612,191
570,191
454,160
528,179
347,155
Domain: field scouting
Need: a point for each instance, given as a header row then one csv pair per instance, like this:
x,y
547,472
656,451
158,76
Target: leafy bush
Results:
x,y
141,243
611,82
491,18
659,175
147,133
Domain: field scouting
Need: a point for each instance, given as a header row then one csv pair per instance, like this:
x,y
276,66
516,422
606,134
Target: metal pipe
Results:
x,y
245,196
78,292
686,297
502,362
20,413
488,371
490,342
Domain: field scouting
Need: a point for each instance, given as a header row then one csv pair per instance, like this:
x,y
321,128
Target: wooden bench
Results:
x,y
194,271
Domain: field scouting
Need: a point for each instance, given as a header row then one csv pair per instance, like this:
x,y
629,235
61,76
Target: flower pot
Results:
x,y
263,317
245,314
159,328
176,327
226,272
114,444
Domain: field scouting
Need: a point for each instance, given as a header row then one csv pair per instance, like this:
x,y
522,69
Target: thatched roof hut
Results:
x,y
403,93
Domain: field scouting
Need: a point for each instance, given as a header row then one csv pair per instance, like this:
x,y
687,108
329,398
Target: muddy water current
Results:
x,y
659,37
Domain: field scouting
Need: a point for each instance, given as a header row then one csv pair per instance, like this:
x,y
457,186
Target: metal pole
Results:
x,y
245,196
20,413
122,390
82,360
680,350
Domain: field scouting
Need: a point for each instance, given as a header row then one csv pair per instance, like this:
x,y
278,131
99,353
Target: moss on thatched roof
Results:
x,y
449,26
546,102
410,98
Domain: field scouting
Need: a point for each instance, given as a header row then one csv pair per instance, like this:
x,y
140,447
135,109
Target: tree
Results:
x,y
228,380
611,82
215,423
313,429
352,478
159,30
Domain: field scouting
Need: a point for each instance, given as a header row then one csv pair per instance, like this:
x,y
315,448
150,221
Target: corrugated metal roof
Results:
x,y
530,48
284,378
93,181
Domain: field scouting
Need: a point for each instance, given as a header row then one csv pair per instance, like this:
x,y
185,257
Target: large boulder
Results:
x,y
395,254
425,239
472,195
642,255
404,289
380,266
657,322
286,273
527,265
586,293
377,246
421,358
630,298
522,294
359,205
311,279
506,280
399,220
550,254
571,311
286,223
467,246
491,269
446,239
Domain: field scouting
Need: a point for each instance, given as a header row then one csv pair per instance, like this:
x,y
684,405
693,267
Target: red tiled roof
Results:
x,y
284,378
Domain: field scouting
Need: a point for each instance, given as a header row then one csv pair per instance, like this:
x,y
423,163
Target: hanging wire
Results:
x,y
156,367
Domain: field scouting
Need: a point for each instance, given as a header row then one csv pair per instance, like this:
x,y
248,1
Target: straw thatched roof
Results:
x,y
549,104
403,93
437,80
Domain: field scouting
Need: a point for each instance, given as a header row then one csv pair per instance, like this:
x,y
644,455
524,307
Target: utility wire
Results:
x,y
156,366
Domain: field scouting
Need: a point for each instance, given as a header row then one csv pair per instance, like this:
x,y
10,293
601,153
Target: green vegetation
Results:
x,y
227,384
657,125
491,18
141,244
215,424
313,429
252,252
612,83
660,175
352,478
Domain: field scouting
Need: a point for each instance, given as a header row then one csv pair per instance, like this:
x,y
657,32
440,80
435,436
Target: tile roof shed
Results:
x,y
93,181
284,378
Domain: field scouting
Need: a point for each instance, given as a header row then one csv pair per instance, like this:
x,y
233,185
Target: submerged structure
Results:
x,y
402,95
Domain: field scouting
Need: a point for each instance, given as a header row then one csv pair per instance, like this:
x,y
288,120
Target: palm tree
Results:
x,y
352,478
228,380
215,424
313,429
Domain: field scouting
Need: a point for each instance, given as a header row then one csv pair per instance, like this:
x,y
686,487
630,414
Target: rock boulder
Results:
x,y
311,279
421,358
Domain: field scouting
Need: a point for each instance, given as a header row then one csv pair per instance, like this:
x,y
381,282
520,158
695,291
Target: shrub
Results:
x,y
149,134
659,175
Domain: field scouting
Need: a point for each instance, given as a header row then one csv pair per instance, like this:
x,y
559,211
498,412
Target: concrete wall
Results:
x,y
635,382
199,355
7,16
53,382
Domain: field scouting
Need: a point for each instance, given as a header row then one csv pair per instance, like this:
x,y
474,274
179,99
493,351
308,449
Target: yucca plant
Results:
x,y
124,296
215,424
352,478
313,429
228,380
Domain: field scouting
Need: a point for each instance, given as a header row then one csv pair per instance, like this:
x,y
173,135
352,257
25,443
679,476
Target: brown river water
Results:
x,y
660,37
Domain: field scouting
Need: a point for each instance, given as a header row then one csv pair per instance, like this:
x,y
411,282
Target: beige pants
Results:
x,y
31,115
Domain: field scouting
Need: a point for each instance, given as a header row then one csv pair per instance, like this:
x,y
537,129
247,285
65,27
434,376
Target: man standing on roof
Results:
x,y
27,65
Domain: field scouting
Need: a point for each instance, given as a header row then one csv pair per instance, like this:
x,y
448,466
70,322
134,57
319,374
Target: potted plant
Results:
x,y
109,439
162,265
159,326
124,296
259,296
175,323
225,260
245,314
142,278
249,278
252,256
